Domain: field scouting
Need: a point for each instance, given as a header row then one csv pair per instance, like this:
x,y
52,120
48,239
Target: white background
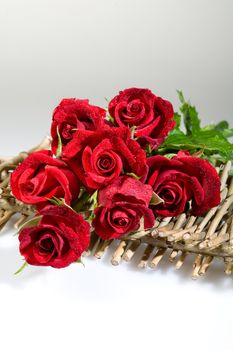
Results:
x,y
50,49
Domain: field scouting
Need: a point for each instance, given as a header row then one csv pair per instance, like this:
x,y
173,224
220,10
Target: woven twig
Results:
x,y
207,238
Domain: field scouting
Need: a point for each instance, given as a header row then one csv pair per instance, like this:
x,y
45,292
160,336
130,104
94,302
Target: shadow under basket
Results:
x,y
206,238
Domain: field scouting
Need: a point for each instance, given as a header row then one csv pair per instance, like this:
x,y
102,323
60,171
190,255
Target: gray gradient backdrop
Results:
x,y
50,49
84,48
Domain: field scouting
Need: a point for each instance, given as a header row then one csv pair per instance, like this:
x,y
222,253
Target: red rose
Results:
x,y
121,207
72,115
58,240
100,157
182,179
151,115
40,177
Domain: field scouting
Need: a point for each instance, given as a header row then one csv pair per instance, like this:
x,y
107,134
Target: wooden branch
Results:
x,y
207,238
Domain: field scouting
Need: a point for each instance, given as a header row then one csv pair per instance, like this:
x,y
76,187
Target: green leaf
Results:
x,y
57,201
214,141
78,205
21,268
208,141
59,145
170,155
181,96
79,261
132,130
110,118
176,131
191,120
221,126
91,217
134,176
60,202
155,199
190,115
149,150
177,118
227,132
94,200
30,223
177,142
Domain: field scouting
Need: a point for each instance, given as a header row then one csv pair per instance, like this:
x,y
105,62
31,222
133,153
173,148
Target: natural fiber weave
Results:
x,y
206,238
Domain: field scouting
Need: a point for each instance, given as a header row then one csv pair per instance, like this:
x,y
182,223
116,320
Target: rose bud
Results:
x,y
100,157
58,240
72,115
121,206
182,179
40,177
150,114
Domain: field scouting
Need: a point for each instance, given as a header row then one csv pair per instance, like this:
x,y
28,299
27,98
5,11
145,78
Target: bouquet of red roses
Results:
x,y
113,172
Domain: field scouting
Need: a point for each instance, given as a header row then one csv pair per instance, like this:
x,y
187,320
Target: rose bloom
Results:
x,y
72,115
182,179
100,157
121,206
40,177
150,114
58,240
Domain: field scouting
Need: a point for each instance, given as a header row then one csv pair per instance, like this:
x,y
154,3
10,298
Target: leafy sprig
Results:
x,y
210,142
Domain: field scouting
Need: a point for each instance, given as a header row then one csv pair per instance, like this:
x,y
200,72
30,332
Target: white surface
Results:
x,y
70,48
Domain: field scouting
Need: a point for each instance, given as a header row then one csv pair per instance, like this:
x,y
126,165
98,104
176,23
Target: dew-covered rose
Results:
x,y
101,156
40,177
58,240
149,114
182,179
121,206
72,115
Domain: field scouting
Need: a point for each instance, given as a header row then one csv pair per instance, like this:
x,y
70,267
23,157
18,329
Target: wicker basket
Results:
x,y
206,238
